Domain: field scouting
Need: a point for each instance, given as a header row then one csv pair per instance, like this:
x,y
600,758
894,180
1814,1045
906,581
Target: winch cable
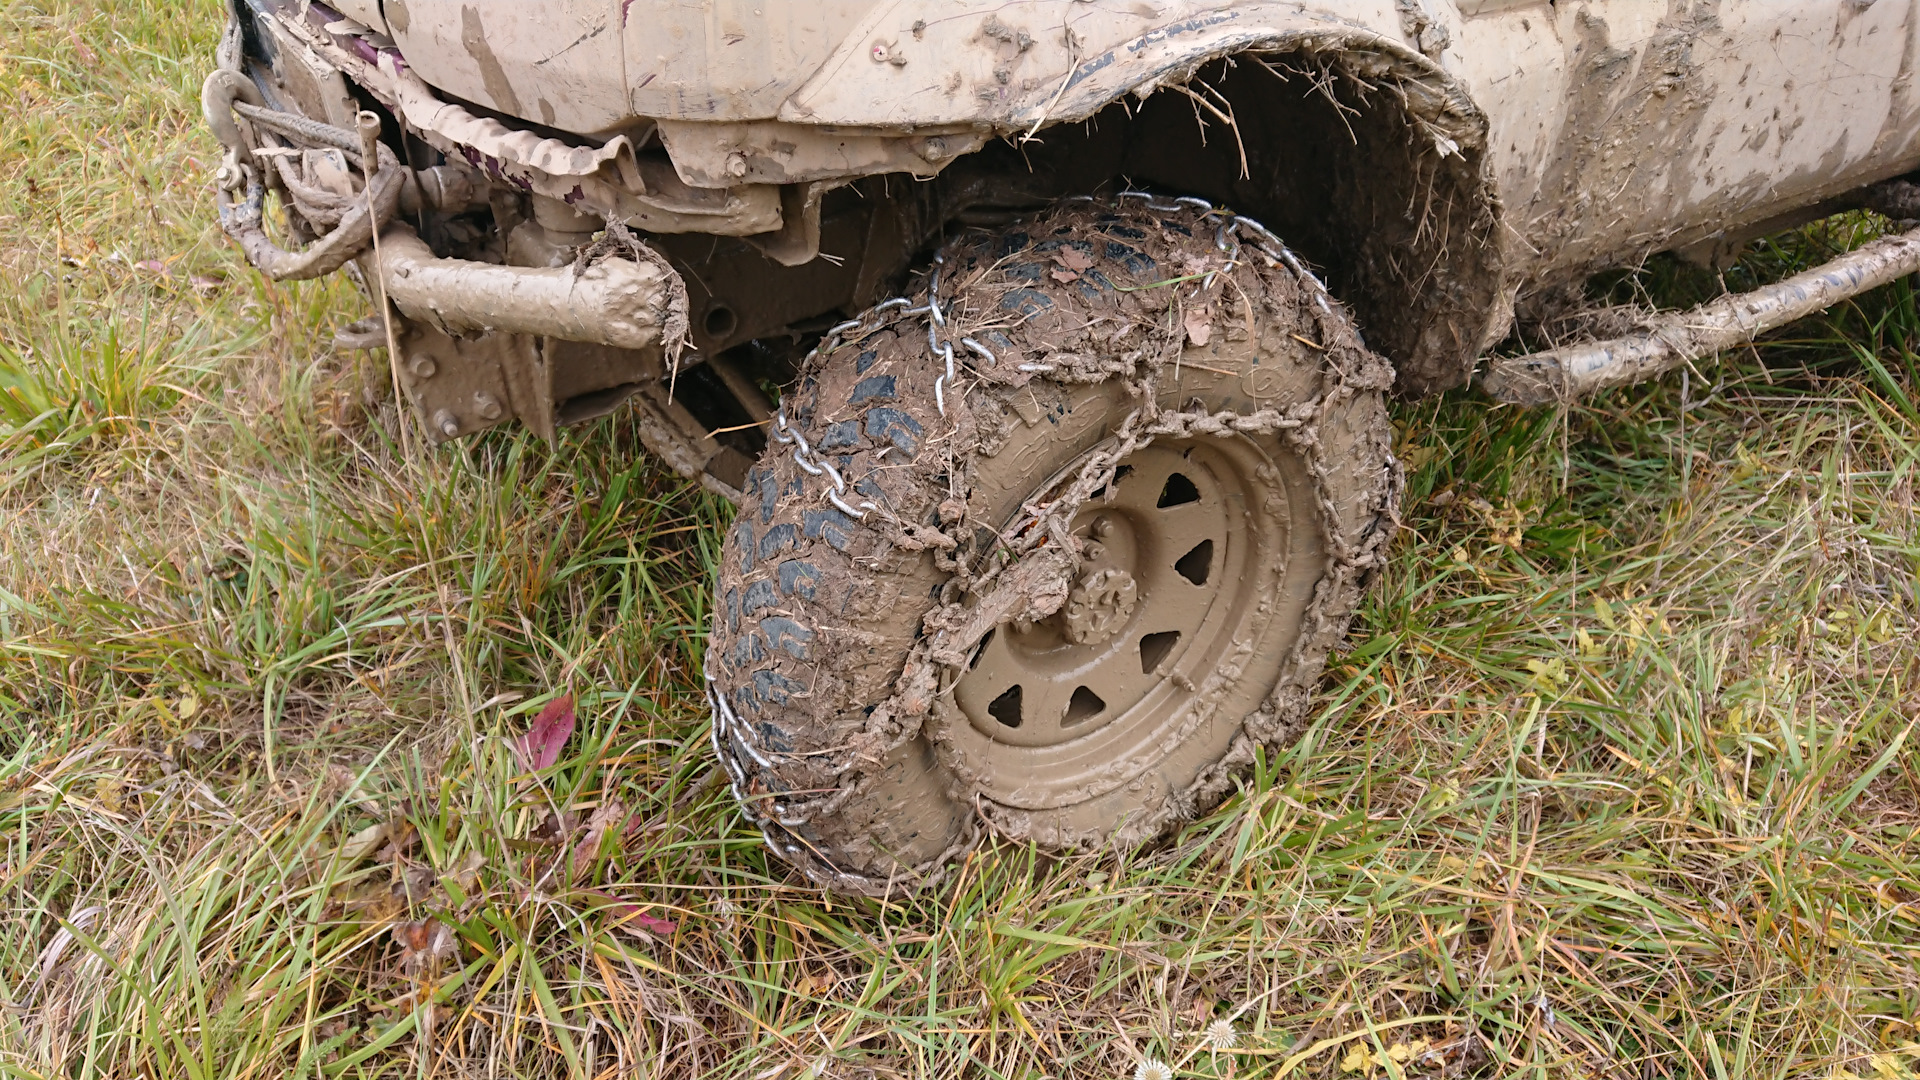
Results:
x,y
242,187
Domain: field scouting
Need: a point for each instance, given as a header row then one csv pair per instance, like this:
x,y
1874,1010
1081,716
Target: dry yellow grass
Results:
x,y
1618,778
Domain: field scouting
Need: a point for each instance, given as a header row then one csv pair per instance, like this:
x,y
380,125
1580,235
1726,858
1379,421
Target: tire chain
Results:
x,y
1047,521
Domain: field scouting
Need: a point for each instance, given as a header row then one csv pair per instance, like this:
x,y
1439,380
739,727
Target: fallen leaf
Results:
x,y
540,747
652,924
1073,258
632,917
152,266
416,883
362,844
106,792
1551,673
466,873
1604,612
1404,1052
205,284
552,829
375,902
608,818
1199,322
401,838
1591,650
1063,276
423,944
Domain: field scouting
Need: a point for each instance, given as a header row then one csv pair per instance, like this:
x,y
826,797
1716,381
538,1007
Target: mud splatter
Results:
x,y
473,37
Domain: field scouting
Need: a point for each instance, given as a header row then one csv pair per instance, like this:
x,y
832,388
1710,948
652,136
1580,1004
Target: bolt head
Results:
x,y
446,423
423,367
1103,527
487,405
736,165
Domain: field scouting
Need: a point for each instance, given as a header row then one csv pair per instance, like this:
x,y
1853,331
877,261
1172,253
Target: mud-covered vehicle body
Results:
x,y
1043,343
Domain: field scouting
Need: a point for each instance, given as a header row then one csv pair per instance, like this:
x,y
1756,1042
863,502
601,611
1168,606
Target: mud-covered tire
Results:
x,y
860,746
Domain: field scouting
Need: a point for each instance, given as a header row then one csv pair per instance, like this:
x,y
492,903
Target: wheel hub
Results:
x,y
1100,604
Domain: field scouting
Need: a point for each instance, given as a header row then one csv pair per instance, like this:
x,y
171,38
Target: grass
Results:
x,y
1618,778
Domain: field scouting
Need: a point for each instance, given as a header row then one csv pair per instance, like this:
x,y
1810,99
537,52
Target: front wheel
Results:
x,y
1052,555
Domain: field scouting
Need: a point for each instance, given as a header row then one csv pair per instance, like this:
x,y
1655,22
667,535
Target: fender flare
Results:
x,y
917,65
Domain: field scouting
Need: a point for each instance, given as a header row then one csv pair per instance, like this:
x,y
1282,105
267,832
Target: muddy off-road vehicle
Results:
x,y
1044,345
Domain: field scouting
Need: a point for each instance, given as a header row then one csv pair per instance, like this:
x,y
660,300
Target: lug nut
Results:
x,y
486,405
1103,527
448,424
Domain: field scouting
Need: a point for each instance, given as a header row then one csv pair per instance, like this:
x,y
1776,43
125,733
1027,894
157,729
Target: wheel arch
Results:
x,y
1389,193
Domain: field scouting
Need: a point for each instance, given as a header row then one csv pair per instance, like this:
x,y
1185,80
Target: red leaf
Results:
x,y
653,924
631,917
540,747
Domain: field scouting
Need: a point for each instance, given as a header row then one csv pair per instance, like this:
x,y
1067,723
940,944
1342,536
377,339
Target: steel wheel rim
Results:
x,y
1093,715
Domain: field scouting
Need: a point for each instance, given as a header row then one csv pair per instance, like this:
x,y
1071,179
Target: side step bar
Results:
x,y
1667,341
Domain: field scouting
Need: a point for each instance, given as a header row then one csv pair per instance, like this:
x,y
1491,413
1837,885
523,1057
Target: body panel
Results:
x,y
1617,127
1624,127
727,59
597,65
558,62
